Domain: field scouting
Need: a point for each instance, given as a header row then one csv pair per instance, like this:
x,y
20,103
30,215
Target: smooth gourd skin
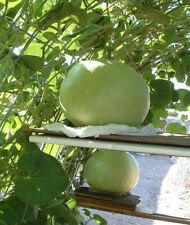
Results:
x,y
112,171
100,93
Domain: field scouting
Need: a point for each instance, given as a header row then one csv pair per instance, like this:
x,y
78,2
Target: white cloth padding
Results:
x,y
96,131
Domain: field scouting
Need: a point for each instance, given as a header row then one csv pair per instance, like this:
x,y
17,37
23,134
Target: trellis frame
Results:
x,y
14,95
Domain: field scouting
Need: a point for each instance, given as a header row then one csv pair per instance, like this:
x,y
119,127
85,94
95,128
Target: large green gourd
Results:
x,y
99,93
112,171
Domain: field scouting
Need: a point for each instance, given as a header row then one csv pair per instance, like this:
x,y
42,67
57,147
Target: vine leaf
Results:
x,y
86,212
170,35
53,54
180,69
1,6
176,128
49,35
186,99
2,138
159,112
32,62
8,215
158,122
76,3
62,11
157,16
62,213
182,93
11,210
31,212
188,81
14,10
186,60
34,49
161,92
159,116
98,219
184,117
41,178
42,220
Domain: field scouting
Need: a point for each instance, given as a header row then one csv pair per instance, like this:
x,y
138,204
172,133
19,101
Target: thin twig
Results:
x,y
6,8
14,22
24,31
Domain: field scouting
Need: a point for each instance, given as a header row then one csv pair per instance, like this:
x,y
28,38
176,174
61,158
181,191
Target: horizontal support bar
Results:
x,y
113,145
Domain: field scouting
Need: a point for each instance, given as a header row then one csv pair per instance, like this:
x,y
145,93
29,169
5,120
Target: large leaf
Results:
x,y
41,178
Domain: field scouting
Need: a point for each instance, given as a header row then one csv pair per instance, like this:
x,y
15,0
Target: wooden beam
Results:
x,y
122,205
127,200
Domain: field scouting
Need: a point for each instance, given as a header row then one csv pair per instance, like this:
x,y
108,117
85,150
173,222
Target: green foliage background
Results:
x,y
39,42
